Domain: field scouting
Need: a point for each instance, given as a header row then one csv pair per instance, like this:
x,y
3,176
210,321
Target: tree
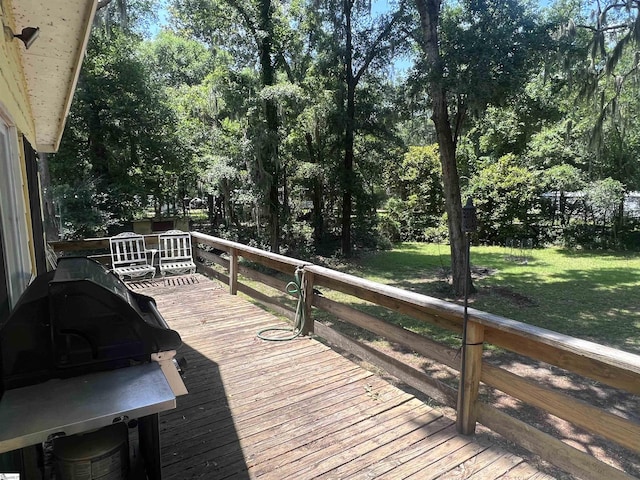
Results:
x,y
256,19
309,145
559,180
506,195
613,35
175,61
376,39
453,75
120,139
604,198
416,186
429,11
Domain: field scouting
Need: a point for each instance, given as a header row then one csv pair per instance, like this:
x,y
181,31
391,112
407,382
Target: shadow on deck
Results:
x,y
284,410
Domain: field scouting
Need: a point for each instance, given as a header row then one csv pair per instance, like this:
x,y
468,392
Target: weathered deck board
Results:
x,y
285,410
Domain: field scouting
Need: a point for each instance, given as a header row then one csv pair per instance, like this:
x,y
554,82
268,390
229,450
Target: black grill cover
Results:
x,y
77,319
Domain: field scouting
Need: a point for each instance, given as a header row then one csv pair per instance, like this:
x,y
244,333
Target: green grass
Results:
x,y
589,295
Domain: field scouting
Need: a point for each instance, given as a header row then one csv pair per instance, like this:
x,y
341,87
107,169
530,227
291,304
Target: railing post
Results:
x,y
307,285
471,365
233,271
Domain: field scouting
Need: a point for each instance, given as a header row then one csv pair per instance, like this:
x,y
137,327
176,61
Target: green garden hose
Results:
x,y
294,287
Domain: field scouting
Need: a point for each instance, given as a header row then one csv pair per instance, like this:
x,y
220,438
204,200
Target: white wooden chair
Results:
x,y
175,253
52,259
129,256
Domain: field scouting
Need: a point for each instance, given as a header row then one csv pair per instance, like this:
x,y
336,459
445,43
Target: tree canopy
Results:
x,y
290,121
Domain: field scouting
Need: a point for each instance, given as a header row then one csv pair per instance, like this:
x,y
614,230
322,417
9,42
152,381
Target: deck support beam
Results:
x,y
233,271
471,365
307,286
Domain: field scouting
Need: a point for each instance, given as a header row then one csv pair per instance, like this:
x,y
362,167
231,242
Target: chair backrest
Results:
x,y
175,245
128,248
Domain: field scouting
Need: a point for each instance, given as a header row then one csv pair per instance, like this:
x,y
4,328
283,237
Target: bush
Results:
x,y
595,237
507,196
389,229
629,240
587,236
298,240
408,220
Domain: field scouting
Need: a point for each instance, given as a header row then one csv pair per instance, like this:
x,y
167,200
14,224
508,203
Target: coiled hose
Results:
x,y
294,287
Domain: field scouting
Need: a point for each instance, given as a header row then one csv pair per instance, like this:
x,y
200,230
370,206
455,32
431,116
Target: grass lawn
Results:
x,y
589,295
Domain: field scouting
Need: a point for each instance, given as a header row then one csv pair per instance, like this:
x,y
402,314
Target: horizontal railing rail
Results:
x,y
96,248
221,259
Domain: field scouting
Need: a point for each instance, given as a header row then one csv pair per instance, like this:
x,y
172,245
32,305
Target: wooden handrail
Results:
x,y
610,366
272,260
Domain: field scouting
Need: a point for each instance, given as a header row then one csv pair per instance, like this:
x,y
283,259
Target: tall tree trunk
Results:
x,y
270,147
429,11
377,47
317,193
347,175
286,209
318,220
210,209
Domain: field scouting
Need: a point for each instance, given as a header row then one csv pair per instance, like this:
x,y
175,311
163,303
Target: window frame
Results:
x,y
13,214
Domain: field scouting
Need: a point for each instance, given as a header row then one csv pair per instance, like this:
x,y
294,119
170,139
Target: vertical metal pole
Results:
x,y
463,348
467,280
469,225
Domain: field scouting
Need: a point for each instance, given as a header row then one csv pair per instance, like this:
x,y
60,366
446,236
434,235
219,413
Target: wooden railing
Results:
x,y
220,259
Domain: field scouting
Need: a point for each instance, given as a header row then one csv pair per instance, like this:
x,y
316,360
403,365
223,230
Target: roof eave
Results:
x,y
52,64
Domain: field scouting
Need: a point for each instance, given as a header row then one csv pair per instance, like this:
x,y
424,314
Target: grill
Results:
x,y
77,319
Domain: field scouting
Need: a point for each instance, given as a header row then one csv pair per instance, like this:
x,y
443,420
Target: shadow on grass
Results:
x,y
599,253
390,264
502,260
601,304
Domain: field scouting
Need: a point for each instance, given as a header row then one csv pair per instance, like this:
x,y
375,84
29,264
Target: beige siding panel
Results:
x,y
13,88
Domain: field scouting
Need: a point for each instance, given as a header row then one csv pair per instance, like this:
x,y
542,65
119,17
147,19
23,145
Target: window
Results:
x,y
13,220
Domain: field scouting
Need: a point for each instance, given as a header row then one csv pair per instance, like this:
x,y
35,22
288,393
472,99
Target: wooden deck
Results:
x,y
297,410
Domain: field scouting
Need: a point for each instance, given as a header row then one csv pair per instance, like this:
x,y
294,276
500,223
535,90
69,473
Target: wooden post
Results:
x,y
233,271
471,365
307,285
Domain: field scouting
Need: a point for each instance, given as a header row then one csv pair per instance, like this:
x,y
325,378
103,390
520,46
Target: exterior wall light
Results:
x,y
28,35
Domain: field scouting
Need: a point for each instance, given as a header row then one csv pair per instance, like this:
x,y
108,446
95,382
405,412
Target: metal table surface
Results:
x,y
29,415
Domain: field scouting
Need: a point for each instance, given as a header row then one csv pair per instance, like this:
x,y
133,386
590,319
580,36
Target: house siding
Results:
x,y
14,99
16,113
36,89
